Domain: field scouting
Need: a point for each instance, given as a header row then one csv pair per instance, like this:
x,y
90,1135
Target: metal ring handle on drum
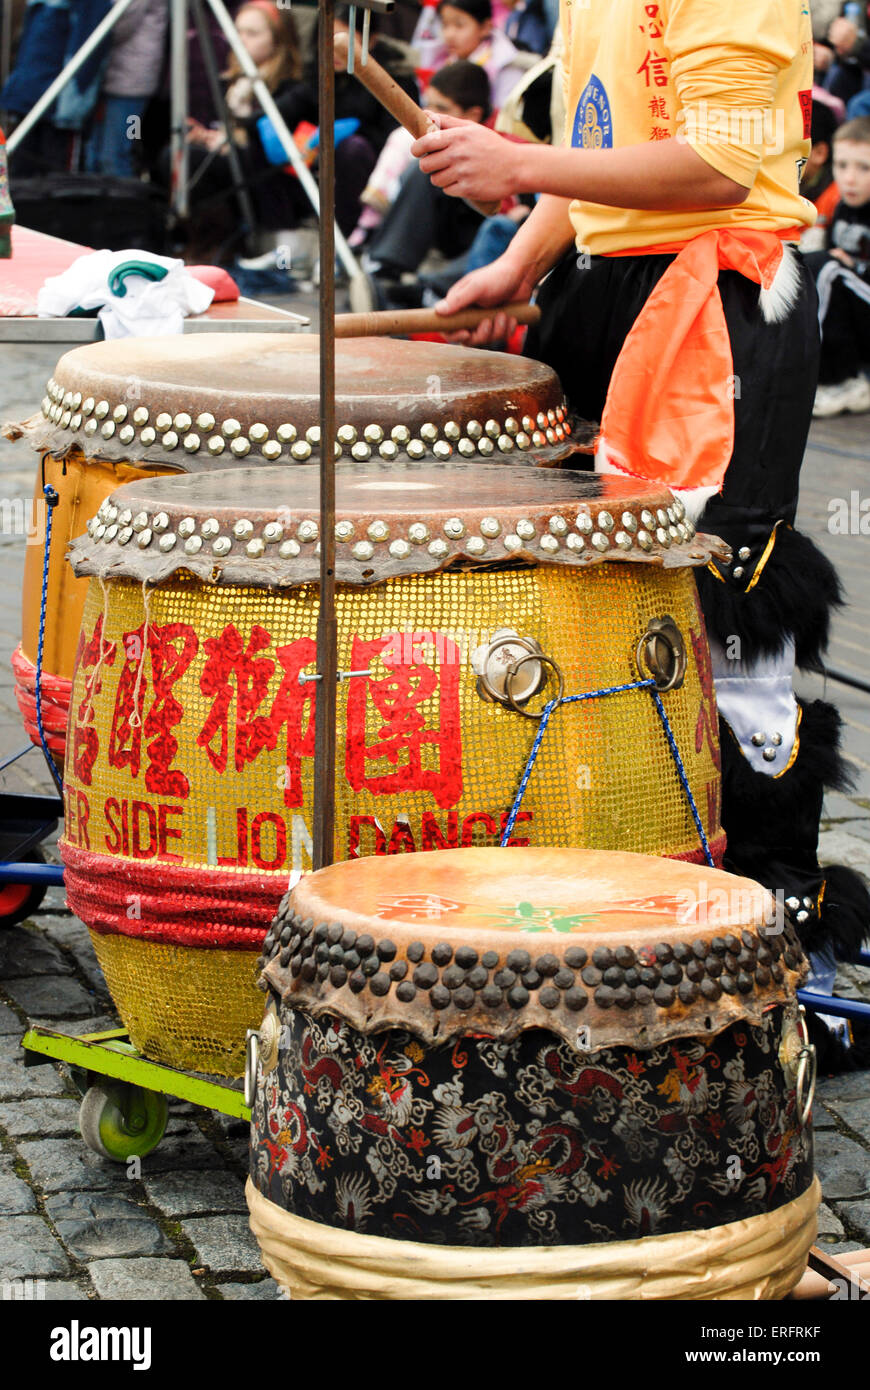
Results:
x,y
663,630
512,671
805,1089
510,640
252,1062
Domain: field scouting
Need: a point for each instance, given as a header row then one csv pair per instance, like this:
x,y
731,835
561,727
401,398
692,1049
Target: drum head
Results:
x,y
627,946
263,525
208,400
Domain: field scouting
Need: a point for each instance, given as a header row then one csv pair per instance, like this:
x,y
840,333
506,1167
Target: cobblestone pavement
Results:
x,y
77,1225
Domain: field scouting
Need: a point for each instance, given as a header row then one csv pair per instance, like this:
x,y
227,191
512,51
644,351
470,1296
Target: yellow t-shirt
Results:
x,y
732,77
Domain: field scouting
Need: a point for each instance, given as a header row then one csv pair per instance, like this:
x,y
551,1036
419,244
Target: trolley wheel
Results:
x,y
19,900
120,1121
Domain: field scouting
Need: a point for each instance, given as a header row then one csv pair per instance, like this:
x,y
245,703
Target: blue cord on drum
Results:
x,y
547,711
51,499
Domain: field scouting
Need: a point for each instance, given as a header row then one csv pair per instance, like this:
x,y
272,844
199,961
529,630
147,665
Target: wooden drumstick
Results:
x,y
384,322
406,111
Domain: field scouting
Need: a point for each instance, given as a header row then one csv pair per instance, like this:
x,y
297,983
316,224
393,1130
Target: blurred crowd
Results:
x,y
108,132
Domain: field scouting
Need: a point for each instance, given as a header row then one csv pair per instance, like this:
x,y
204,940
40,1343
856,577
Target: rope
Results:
x,y
135,718
51,500
657,699
547,712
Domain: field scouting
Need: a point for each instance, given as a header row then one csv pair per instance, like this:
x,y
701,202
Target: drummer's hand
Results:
x,y
500,282
469,160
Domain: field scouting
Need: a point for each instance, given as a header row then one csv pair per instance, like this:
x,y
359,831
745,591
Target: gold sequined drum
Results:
x,y
529,1074
467,597
118,411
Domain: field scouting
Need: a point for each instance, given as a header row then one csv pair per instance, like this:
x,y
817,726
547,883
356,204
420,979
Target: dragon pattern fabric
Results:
x,y
530,1142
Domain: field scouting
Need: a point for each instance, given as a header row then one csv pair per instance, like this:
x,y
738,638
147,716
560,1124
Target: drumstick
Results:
x,y
406,111
384,322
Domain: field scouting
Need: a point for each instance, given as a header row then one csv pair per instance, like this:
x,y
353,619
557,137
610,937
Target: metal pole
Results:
x,y
327,658
6,42
264,96
846,678
178,150
217,96
96,38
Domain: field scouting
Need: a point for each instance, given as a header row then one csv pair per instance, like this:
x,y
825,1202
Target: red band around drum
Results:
x,y
171,905
56,693
718,847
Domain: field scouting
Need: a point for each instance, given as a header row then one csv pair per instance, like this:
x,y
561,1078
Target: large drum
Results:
x,y
532,1074
118,411
189,775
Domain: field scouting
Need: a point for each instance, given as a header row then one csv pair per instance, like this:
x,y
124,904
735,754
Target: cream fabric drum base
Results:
x,y
762,1257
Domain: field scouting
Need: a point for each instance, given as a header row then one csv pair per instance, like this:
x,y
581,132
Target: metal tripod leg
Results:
x,y
217,96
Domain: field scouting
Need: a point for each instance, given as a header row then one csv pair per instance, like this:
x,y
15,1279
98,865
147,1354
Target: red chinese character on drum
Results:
x,y
170,648
426,756
90,659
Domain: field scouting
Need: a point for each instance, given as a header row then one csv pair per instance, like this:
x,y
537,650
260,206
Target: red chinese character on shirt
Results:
x,y
85,741
169,649
653,66
659,132
658,108
234,671
426,751
654,28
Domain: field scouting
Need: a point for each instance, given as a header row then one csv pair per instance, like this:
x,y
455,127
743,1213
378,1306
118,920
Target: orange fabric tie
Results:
x,y
669,413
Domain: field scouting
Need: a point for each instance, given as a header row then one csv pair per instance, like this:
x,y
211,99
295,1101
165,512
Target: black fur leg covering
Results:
x,y
772,825
793,597
832,1055
844,916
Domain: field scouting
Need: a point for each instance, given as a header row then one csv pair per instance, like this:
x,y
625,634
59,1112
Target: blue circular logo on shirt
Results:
x,y
593,126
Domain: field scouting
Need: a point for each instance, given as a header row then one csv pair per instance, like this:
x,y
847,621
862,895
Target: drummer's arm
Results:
x,y
667,175
541,242
473,162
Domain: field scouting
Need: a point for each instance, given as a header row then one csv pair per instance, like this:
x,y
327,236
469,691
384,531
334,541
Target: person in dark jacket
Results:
x,y
53,31
270,36
355,157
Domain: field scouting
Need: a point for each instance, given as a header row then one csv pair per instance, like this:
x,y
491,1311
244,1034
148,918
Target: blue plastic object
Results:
x,y
839,1008
274,150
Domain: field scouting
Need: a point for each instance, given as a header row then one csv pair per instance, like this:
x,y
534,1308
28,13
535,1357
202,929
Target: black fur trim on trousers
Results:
x,y
793,597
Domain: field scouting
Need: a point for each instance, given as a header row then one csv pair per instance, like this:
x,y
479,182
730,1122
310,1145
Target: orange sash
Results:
x,y
669,413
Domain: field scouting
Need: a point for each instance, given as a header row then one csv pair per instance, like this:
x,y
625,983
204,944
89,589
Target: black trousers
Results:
x,y
423,218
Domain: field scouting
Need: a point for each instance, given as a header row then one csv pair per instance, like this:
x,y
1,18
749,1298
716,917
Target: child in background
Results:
x,y
448,89
817,182
842,274
468,32
424,218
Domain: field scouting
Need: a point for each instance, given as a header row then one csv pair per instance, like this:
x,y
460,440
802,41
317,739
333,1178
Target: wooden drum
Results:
x,y
189,776
118,411
529,1074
